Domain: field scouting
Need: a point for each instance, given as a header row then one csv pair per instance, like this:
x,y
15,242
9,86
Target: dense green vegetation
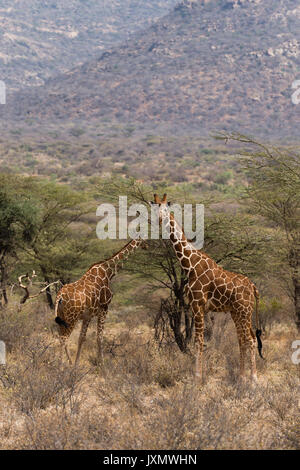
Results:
x,y
251,223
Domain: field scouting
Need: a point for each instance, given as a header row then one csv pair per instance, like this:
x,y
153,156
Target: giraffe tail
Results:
x,y
258,328
61,322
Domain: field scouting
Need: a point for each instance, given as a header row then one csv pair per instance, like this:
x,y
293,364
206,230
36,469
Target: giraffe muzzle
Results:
x,y
61,322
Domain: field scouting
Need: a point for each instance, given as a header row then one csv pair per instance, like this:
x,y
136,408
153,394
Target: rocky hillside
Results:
x,y
207,65
40,39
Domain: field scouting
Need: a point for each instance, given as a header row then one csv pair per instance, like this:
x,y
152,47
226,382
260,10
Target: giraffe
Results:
x,y
211,288
88,297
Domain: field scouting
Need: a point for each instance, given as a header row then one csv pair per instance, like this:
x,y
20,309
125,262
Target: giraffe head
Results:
x,y
163,207
144,245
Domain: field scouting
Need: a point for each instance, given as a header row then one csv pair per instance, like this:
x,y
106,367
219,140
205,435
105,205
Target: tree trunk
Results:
x,y
296,295
3,280
49,296
175,323
48,293
189,324
294,262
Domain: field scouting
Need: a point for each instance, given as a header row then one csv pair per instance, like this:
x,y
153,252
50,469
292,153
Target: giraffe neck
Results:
x,y
114,263
182,247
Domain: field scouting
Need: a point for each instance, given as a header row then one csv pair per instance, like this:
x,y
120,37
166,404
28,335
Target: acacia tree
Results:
x,y
38,229
17,222
234,243
54,249
231,239
274,193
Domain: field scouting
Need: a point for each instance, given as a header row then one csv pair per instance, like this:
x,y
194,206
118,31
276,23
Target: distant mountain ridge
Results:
x,y
41,39
207,65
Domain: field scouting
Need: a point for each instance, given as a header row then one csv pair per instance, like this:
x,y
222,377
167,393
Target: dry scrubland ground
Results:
x,y
148,399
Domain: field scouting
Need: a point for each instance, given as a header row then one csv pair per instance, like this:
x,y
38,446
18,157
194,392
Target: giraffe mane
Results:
x,y
112,256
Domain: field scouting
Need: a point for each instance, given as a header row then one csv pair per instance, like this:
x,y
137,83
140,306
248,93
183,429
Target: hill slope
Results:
x,y
207,65
40,39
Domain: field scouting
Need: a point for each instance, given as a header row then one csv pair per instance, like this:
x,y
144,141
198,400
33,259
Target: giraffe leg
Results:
x,y
100,329
209,325
249,339
243,350
247,342
64,348
199,338
242,345
84,327
252,347
67,354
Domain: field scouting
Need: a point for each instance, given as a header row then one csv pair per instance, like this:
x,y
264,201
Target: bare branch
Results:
x,y
25,287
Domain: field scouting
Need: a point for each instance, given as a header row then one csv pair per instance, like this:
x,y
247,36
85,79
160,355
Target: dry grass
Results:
x,y
148,399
